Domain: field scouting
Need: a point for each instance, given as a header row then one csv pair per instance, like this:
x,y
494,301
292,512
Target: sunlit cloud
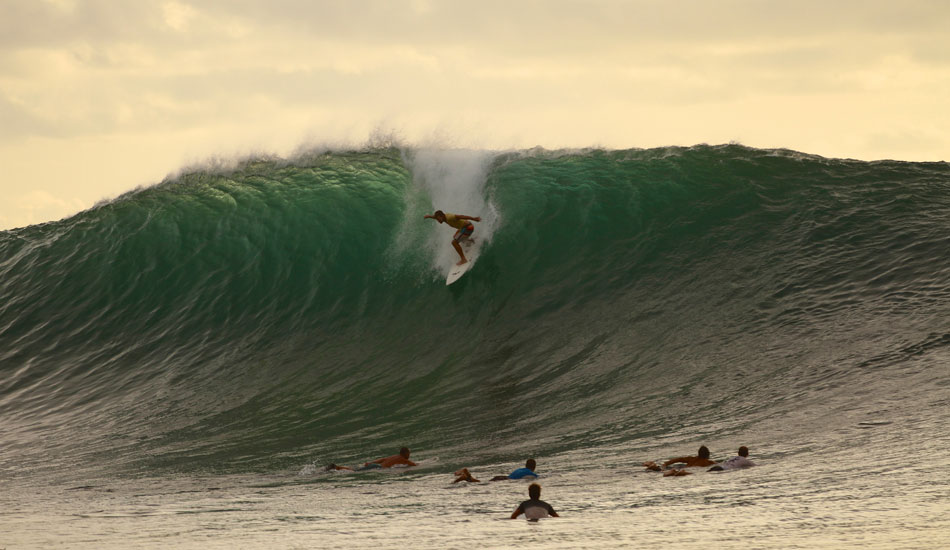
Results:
x,y
178,15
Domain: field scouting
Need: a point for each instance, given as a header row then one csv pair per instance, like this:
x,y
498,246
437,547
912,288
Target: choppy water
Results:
x,y
177,364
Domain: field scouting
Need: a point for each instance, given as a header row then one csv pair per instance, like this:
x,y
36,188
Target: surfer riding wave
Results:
x,y
463,225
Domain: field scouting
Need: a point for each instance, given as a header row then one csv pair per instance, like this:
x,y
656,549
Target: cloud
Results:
x,y
198,77
178,15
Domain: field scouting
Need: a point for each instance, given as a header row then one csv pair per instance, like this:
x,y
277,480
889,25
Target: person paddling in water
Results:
x,y
701,459
463,225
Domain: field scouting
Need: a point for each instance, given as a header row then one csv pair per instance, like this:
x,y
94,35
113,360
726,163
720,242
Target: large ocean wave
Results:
x,y
280,311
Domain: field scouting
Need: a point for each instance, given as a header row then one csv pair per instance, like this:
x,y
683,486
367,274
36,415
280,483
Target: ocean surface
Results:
x,y
178,364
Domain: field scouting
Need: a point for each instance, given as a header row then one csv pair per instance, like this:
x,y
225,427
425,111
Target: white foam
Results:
x,y
451,180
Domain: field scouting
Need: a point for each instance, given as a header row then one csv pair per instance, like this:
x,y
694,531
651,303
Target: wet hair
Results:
x,y
743,451
534,491
530,464
703,452
330,467
404,452
438,213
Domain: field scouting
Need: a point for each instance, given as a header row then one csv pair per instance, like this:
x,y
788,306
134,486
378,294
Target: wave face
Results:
x,y
276,312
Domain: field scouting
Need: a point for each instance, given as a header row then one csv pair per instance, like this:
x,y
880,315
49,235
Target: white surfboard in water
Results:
x,y
471,253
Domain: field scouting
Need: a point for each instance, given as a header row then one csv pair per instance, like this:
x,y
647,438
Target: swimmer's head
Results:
x,y
534,491
703,452
404,452
439,216
530,464
743,451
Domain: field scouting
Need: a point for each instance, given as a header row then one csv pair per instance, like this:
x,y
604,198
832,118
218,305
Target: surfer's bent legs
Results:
x,y
463,233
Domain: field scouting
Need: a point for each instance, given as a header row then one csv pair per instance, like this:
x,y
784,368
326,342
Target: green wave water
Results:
x,y
277,312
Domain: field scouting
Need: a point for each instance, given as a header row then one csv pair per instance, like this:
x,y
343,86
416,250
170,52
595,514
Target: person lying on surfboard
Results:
x,y
520,473
741,460
702,459
530,466
402,459
465,475
463,225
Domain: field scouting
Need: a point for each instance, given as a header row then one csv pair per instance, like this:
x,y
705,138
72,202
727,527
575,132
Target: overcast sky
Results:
x,y
100,96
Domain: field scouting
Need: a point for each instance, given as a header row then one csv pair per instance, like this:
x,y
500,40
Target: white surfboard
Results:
x,y
457,272
471,253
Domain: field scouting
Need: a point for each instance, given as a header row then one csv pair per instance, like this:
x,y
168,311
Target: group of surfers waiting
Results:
x,y
534,508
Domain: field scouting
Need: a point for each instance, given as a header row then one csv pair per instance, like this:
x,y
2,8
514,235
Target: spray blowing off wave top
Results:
x,y
297,308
